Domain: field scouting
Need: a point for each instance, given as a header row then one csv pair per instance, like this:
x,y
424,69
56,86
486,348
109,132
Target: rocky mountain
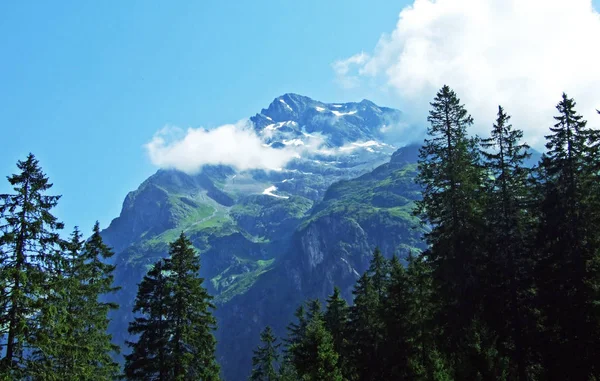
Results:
x,y
270,239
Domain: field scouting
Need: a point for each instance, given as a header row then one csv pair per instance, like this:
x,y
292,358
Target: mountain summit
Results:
x,y
293,116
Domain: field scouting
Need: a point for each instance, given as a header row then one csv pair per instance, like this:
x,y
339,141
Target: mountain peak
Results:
x,y
294,117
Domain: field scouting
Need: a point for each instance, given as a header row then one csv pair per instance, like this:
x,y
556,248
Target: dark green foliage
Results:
x,y
396,308
72,342
336,321
149,358
52,320
28,247
314,357
176,340
508,252
367,330
451,176
568,273
266,358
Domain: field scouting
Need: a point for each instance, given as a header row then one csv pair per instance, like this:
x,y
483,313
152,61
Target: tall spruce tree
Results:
x,y
176,330
396,310
72,342
336,321
508,251
193,344
28,242
149,357
301,355
295,331
425,361
568,277
266,358
450,175
366,330
315,358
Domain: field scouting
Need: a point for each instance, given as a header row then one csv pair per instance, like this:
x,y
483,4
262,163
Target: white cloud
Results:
x,y
519,53
342,69
236,145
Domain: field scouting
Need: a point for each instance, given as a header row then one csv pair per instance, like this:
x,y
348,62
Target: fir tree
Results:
x,y
192,345
72,342
450,175
319,361
295,331
567,274
366,330
149,358
301,356
28,243
396,309
509,223
265,358
176,340
336,321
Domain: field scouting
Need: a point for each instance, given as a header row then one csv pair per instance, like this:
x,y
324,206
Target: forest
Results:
x,y
507,289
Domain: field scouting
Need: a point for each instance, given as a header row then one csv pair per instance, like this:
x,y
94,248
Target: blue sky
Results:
x,y
84,84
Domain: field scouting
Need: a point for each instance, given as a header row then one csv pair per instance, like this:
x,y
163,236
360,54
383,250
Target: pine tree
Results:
x,y
379,271
72,342
149,358
336,321
265,358
96,280
301,356
193,343
396,309
319,361
568,278
366,330
28,243
509,226
450,175
176,340
295,331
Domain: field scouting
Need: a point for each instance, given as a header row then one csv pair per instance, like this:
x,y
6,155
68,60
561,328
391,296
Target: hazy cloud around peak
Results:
x,y
519,53
236,145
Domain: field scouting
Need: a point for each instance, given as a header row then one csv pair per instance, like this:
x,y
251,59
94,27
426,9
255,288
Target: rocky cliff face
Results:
x,y
269,240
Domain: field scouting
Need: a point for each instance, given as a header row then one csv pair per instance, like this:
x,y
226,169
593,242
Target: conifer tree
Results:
x,y
301,356
509,223
193,344
176,340
265,358
336,321
366,330
72,342
396,310
568,248
28,242
295,331
314,356
450,175
149,358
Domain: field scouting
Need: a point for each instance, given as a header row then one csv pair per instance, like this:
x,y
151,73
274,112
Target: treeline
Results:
x,y
53,292
509,287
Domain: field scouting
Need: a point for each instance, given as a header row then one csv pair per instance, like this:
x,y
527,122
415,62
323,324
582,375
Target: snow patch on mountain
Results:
x,y
285,104
337,113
